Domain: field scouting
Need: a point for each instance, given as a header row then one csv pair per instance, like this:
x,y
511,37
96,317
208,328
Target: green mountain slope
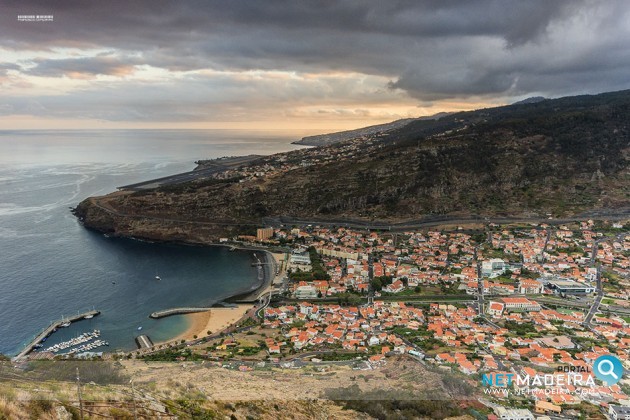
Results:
x,y
562,156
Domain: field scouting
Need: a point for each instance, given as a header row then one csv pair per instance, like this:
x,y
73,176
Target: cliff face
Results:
x,y
561,156
156,227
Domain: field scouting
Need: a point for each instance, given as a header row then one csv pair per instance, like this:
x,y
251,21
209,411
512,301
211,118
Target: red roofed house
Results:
x,y
495,309
395,287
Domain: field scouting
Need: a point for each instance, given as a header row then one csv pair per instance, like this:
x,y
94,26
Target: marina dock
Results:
x,y
50,329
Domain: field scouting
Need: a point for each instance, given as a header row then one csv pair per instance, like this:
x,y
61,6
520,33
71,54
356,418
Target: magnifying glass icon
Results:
x,y
610,369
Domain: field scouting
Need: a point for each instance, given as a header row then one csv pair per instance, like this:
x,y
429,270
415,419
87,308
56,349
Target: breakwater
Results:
x,y
52,328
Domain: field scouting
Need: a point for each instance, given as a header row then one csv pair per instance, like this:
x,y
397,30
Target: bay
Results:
x,y
50,266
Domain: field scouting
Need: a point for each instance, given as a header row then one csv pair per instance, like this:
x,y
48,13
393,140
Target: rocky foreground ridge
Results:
x,y
557,157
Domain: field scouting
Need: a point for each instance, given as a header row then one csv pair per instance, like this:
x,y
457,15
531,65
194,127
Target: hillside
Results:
x,y
564,157
365,132
331,138
203,390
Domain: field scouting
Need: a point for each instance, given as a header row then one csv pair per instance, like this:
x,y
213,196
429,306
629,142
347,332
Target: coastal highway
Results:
x,y
440,220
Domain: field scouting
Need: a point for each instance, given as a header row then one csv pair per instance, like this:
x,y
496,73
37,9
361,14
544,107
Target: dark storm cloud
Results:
x,y
431,49
137,22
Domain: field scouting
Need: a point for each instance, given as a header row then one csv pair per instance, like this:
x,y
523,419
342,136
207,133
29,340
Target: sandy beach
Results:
x,y
213,320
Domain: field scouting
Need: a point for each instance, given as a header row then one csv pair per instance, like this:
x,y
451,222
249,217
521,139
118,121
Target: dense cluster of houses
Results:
x,y
466,344
532,261
514,266
350,328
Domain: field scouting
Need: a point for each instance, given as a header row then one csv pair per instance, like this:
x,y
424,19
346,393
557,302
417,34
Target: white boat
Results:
x,y
88,317
139,328
66,324
158,278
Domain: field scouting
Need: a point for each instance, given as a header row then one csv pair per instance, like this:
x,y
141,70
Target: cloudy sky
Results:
x,y
297,64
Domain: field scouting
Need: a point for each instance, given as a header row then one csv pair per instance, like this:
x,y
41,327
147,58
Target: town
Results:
x,y
532,299
537,301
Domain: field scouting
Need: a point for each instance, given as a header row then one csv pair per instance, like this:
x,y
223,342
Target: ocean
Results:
x,y
50,266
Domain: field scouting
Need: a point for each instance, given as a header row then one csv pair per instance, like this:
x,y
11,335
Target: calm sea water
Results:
x,y
51,266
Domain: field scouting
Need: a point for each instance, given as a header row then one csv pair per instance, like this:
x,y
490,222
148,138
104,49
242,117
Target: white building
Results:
x,y
520,304
300,259
305,292
513,413
568,287
619,412
493,268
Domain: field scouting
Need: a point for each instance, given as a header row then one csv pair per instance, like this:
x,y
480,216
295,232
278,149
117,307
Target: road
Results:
x,y
598,299
370,278
480,302
544,249
581,305
398,298
264,300
598,278
440,220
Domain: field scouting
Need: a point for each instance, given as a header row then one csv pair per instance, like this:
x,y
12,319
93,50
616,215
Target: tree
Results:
x,y
377,284
354,300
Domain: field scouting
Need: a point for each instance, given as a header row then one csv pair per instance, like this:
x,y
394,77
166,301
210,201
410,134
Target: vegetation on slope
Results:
x,y
563,156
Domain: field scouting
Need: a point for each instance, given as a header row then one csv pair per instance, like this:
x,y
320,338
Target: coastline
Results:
x,y
214,320
217,319
268,268
198,322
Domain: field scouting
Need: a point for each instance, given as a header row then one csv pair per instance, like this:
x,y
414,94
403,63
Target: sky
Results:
x,y
292,64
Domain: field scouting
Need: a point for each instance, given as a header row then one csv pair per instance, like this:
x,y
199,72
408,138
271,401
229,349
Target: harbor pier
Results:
x,y
144,342
176,311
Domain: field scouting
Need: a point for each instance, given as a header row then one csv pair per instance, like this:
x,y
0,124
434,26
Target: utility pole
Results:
x,y
79,395
133,398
